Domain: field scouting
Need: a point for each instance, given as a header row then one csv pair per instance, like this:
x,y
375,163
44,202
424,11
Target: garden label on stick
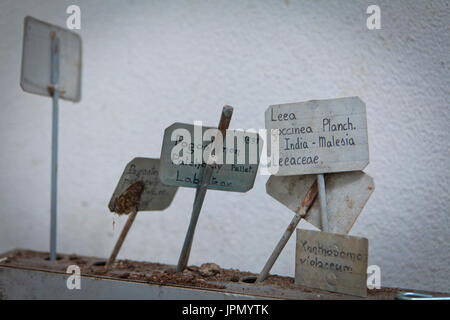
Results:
x,y
347,194
332,262
319,136
212,156
236,175
139,189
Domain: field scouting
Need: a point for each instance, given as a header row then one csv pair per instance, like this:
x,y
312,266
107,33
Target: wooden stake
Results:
x,y
128,202
122,237
301,213
224,123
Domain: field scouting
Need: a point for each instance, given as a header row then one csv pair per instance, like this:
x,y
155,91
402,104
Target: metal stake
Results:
x,y
224,123
55,94
323,202
122,237
301,212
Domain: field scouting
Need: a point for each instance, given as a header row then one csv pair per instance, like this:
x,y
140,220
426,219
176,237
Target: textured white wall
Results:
x,y
148,64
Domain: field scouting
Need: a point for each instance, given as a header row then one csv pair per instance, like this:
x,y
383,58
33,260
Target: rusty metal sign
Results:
x,y
35,75
332,262
347,194
144,172
318,136
237,172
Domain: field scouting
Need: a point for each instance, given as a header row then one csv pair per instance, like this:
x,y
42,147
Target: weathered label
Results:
x,y
155,196
332,262
189,145
36,62
318,136
347,194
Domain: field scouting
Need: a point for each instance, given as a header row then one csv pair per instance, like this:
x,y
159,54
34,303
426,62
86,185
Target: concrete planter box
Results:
x,y
31,276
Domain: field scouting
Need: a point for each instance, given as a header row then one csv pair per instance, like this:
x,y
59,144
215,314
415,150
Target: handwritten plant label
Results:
x,y
319,136
155,196
237,171
332,262
347,194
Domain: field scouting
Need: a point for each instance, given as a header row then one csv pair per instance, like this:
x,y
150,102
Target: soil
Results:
x,y
208,275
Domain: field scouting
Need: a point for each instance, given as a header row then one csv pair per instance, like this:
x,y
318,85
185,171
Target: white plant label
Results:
x,y
319,136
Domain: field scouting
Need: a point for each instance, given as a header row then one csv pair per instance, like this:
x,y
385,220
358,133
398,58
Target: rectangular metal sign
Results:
x,y
332,262
319,136
189,143
347,194
155,196
36,63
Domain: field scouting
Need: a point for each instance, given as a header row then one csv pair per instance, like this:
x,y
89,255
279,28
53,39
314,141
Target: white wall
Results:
x,y
148,64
